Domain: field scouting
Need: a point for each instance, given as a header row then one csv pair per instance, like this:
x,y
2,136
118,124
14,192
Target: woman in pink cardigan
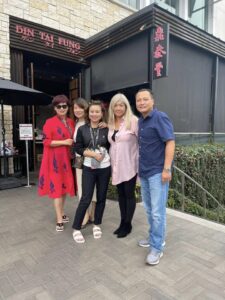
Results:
x,y
122,136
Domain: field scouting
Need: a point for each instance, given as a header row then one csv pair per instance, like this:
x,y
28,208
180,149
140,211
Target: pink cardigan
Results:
x,y
124,152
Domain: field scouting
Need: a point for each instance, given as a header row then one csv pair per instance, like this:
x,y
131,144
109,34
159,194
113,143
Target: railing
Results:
x,y
202,204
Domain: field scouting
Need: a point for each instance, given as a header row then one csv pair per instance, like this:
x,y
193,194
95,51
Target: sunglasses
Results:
x,y
63,106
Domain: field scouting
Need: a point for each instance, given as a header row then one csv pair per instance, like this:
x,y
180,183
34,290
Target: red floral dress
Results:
x,y
55,177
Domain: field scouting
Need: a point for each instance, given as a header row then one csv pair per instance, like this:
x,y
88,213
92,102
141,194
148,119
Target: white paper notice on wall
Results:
x,y
26,132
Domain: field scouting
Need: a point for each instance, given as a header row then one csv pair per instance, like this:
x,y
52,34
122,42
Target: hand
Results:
x,y
98,156
68,142
102,125
166,176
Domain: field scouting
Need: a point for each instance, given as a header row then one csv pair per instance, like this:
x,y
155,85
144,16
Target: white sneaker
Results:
x,y
153,257
145,243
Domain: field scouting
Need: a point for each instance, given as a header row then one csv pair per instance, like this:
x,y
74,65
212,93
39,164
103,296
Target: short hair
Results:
x,y
145,90
99,103
82,103
60,99
119,97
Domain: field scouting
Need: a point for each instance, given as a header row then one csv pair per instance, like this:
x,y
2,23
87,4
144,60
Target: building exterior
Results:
x,y
96,48
192,94
79,18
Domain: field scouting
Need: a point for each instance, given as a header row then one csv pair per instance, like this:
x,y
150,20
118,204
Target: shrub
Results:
x,y
206,165
112,192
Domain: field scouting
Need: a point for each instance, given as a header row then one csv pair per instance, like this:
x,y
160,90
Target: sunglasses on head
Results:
x,y
64,106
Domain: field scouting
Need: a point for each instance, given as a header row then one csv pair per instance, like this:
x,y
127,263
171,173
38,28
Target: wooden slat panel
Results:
x,y
118,35
152,16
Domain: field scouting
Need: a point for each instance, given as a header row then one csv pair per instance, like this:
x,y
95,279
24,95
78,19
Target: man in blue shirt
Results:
x,y
156,152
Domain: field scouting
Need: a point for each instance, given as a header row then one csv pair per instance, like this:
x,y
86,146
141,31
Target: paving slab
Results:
x,y
36,262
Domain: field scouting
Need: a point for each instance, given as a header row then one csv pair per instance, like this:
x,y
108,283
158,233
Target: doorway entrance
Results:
x,y
52,76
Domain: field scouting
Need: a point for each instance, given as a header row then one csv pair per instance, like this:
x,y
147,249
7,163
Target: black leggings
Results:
x,y
90,178
127,201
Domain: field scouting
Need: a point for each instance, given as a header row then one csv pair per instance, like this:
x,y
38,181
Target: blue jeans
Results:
x,y
154,195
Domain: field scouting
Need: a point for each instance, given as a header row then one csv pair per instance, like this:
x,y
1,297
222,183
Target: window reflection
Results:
x,y
197,13
132,3
170,5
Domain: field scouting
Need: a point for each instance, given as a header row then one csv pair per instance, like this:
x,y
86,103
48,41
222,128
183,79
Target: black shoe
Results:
x,y
125,230
119,228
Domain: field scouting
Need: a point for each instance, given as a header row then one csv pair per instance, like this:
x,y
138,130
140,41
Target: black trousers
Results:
x,y
90,178
126,198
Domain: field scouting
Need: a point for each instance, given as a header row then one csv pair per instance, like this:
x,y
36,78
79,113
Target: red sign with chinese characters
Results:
x,y
160,47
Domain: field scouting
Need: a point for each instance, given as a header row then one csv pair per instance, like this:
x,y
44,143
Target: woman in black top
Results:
x,y
92,143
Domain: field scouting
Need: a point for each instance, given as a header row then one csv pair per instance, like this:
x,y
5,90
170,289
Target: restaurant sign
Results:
x,y
160,48
28,34
44,40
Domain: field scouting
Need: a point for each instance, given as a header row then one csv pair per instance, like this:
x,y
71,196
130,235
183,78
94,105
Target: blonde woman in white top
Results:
x,y
79,107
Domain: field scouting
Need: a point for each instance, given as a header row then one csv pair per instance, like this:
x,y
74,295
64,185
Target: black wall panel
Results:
x,y
185,94
123,66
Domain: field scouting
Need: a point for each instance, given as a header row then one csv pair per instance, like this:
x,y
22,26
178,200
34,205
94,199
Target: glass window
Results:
x,y
132,3
170,5
198,13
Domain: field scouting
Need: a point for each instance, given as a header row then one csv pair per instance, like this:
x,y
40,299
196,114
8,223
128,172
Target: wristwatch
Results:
x,y
168,170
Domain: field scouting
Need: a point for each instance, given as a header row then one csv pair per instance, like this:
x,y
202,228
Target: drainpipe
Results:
x,y
214,96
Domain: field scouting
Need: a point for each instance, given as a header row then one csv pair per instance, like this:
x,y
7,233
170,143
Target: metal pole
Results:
x,y
27,159
214,96
3,140
33,118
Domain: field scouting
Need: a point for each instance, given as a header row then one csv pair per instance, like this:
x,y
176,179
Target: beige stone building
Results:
x,y
78,18
82,18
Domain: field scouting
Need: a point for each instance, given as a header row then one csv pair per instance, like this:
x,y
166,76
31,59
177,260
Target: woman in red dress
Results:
x,y
55,177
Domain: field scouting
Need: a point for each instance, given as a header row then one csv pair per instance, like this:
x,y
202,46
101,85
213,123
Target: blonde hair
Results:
x,y
128,112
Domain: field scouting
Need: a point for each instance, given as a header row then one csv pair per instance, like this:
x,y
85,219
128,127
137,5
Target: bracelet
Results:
x,y
168,170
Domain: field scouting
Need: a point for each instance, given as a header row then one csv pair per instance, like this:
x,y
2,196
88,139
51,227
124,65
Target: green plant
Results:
x,y
113,195
206,165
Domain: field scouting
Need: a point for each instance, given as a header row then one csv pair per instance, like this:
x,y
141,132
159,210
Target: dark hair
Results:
x,y
99,103
145,90
82,103
60,99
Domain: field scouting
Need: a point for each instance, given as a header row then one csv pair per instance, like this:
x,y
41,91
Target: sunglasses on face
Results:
x,y
63,106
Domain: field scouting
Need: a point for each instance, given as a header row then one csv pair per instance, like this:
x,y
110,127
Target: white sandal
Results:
x,y
78,237
97,232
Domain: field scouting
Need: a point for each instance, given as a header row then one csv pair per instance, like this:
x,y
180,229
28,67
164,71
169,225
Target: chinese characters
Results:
x,y
160,51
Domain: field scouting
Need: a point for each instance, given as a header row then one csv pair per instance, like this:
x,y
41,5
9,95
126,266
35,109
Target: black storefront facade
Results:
x,y
120,59
193,94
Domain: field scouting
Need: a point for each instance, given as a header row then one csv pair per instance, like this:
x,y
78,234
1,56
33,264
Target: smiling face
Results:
x,y
95,113
61,109
144,102
119,109
78,112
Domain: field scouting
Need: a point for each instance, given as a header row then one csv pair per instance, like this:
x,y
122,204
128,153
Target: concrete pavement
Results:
x,y
36,262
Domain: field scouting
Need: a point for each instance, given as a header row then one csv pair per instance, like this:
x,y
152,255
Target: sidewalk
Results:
x,y
36,262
